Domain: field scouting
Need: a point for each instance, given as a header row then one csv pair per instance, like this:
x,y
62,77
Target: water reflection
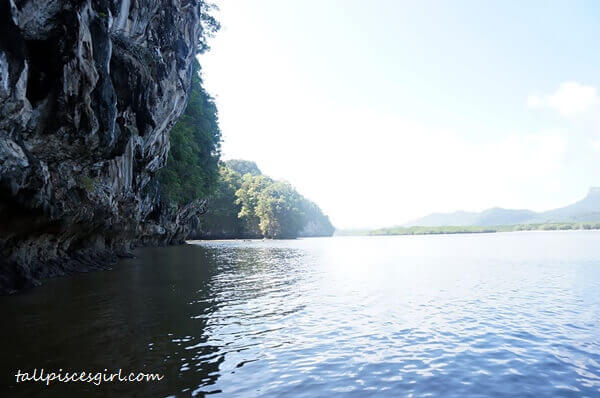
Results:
x,y
155,313
502,314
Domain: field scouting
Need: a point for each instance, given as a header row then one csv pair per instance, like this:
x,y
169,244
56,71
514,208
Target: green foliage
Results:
x,y
431,230
279,210
192,170
248,197
209,25
222,214
247,204
475,229
87,183
243,167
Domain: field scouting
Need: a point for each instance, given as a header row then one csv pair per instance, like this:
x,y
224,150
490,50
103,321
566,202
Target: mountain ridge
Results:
x,y
586,209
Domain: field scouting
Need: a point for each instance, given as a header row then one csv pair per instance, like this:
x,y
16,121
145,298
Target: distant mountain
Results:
x,y
499,216
458,218
587,209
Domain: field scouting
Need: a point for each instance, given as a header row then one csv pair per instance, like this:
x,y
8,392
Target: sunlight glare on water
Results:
x,y
507,314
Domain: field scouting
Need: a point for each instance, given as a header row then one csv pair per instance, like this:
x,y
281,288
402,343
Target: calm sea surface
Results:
x,y
507,314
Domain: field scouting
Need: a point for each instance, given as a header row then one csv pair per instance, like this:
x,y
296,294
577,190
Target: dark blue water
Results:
x,y
508,314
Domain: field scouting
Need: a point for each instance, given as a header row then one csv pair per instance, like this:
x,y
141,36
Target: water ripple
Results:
x,y
439,316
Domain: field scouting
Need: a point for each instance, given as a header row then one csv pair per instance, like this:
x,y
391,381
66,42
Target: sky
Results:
x,y
385,111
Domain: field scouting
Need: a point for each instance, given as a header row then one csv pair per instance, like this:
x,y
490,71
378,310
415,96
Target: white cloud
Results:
x,y
570,99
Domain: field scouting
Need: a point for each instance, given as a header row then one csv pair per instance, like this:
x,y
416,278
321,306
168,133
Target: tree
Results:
x,y
192,171
243,167
279,210
248,197
253,205
221,219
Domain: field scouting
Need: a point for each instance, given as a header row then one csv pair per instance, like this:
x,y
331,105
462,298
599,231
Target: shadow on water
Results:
x,y
448,316
151,314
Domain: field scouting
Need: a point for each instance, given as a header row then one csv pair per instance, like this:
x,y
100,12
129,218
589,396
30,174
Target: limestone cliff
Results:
x,y
89,90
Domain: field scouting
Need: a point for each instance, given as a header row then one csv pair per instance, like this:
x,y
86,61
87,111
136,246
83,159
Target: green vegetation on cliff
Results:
x,y
221,218
242,203
243,167
254,206
192,169
279,210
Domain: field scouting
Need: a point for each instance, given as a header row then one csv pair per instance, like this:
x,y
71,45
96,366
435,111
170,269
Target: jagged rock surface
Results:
x,y
89,90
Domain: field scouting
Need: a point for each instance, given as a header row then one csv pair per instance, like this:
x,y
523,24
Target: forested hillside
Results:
x,y
248,204
241,202
192,169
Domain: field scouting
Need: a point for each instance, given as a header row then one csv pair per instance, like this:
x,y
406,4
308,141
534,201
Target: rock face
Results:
x,y
89,90
315,228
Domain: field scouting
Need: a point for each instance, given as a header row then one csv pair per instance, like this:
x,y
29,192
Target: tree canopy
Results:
x,y
279,210
243,167
192,171
253,205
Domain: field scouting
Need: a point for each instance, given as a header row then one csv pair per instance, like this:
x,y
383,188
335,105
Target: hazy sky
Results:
x,y
384,111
